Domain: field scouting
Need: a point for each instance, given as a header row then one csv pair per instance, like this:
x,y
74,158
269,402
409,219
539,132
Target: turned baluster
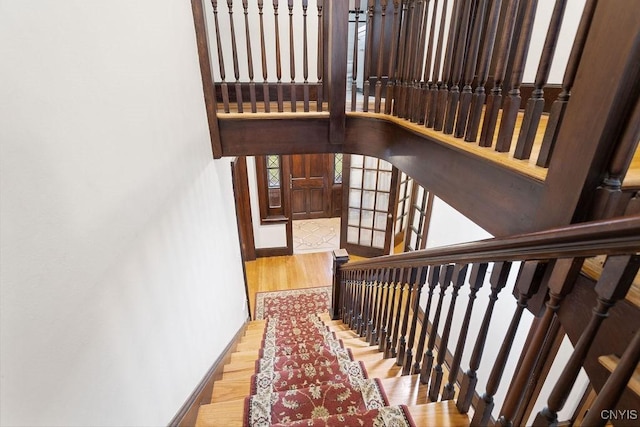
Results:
x,y
305,56
389,329
428,73
252,85
378,90
498,280
615,280
405,292
320,65
391,82
434,275
279,89
408,357
392,337
374,306
561,280
377,309
410,17
415,107
402,340
427,360
368,55
223,85
512,102
470,69
443,92
356,301
263,52
479,95
437,81
608,200
527,285
344,280
352,297
234,50
615,385
560,104
400,84
384,305
292,61
458,61
458,278
362,326
388,311
535,104
476,280
354,62
494,100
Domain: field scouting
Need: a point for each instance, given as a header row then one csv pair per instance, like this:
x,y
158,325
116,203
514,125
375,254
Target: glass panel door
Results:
x,y
369,197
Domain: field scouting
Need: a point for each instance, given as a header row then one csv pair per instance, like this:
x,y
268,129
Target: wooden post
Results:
x,y
340,256
338,25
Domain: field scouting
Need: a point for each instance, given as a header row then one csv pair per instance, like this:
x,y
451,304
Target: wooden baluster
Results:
x,y
384,303
370,305
608,196
428,73
367,57
393,333
292,60
362,325
459,276
443,92
377,309
404,295
417,116
479,95
494,100
305,56
458,61
402,338
391,83
252,85
512,102
527,285
386,323
535,104
279,88
560,282
400,81
354,62
498,280
352,290
615,385
408,56
263,52
356,301
408,357
234,49
223,85
320,65
345,294
615,280
470,69
434,275
427,360
560,104
378,90
362,279
374,305
437,80
476,280
388,343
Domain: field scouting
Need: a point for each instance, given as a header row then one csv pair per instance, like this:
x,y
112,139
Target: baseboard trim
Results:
x,y
201,395
267,252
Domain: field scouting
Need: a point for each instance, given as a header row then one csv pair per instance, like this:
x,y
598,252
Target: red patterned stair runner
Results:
x,y
302,381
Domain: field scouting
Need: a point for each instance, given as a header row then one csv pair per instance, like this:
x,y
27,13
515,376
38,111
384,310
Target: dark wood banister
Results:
x,y
615,236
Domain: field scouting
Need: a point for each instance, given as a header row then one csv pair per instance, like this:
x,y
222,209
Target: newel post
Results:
x,y
340,257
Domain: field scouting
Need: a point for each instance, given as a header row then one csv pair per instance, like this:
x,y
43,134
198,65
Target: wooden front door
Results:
x,y
311,185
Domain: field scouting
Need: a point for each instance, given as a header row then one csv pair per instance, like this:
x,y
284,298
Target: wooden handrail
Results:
x,y
609,237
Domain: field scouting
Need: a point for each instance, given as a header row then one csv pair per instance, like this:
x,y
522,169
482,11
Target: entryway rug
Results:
x,y
293,303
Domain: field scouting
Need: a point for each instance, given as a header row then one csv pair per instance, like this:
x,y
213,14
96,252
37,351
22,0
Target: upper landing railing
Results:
x,y
473,71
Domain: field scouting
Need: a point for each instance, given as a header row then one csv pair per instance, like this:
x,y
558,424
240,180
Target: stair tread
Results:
x,y
592,268
610,362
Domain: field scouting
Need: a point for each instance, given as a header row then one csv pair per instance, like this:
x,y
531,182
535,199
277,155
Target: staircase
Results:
x,y
401,399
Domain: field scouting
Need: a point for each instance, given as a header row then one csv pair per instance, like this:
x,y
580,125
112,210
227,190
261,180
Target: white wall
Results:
x,y
119,250
269,235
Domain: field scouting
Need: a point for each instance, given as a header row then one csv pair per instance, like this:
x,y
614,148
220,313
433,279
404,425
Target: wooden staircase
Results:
x,y
227,401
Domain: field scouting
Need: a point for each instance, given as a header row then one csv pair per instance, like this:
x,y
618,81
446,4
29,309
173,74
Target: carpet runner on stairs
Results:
x,y
305,377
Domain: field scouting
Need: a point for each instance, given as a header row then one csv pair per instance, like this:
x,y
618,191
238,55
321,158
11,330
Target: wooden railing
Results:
x,y
379,298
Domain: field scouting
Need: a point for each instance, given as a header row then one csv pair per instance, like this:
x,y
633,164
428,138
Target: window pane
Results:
x,y
356,160
337,168
356,178
378,239
273,161
370,179
365,237
382,202
371,162
352,235
354,217
384,181
384,165
368,198
273,177
354,198
381,221
367,219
